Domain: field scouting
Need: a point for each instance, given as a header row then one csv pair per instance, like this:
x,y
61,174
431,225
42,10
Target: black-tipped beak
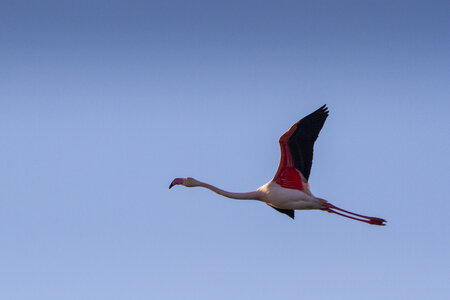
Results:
x,y
176,181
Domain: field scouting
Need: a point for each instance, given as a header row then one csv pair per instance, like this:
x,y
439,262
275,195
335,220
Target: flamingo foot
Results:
x,y
377,221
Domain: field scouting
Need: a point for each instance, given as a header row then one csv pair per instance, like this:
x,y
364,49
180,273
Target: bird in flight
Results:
x,y
289,189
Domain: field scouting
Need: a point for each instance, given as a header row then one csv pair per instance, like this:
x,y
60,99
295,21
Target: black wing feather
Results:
x,y
302,140
289,212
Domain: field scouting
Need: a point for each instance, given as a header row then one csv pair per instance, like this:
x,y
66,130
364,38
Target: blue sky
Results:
x,y
103,103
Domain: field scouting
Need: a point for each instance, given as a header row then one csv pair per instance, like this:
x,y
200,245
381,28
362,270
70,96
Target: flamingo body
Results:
x,y
280,197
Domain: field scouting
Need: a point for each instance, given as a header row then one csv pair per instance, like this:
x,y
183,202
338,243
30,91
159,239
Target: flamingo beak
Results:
x,y
176,181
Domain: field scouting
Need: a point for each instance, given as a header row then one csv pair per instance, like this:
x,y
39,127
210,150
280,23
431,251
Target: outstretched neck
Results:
x,y
255,195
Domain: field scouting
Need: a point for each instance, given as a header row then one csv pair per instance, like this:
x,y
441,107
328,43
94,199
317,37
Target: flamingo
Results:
x,y
289,189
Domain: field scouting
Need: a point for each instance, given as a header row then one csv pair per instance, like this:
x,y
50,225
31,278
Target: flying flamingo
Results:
x,y
289,189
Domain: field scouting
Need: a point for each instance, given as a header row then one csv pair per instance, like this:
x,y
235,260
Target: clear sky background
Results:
x,y
103,103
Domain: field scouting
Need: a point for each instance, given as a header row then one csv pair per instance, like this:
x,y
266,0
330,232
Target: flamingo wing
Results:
x,y
288,212
296,147
302,138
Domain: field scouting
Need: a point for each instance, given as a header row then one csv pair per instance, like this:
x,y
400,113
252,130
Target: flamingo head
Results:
x,y
187,181
176,181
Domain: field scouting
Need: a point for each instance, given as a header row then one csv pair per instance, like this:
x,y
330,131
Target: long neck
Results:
x,y
255,195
